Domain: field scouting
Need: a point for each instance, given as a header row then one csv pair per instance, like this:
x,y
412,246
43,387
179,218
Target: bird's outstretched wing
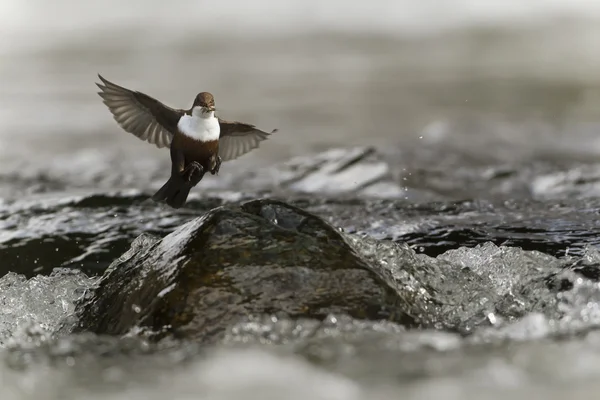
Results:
x,y
140,114
238,138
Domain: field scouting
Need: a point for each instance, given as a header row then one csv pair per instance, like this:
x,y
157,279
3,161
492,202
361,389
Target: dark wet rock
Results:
x,y
262,257
267,257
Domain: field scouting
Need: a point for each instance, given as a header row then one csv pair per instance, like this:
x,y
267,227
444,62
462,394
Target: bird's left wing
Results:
x,y
238,138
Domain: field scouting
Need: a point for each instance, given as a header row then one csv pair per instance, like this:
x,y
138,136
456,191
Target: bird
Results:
x,y
198,140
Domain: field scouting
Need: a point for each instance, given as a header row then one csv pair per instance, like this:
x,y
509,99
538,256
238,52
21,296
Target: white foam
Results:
x,y
37,306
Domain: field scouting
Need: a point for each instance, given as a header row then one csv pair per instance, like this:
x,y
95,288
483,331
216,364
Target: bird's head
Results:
x,y
204,104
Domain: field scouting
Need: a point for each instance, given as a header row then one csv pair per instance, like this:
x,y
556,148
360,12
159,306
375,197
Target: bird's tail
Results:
x,y
175,191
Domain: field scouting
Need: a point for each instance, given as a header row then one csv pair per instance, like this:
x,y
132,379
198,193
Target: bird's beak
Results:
x,y
211,108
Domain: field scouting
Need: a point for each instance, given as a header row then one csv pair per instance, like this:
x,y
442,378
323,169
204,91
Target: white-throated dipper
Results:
x,y
198,140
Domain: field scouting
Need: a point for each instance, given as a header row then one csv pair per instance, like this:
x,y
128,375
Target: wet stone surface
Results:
x,y
264,257
267,257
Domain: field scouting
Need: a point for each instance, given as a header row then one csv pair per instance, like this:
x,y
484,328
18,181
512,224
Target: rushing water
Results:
x,y
491,99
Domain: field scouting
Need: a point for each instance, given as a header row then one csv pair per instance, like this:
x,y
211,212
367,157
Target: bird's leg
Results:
x,y
216,165
193,173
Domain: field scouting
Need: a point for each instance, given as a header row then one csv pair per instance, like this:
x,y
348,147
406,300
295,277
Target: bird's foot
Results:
x,y
217,166
193,173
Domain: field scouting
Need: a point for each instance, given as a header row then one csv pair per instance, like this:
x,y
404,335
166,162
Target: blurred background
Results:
x,y
507,79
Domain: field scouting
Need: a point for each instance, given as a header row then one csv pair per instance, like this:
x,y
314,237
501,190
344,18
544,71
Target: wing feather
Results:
x,y
238,138
140,114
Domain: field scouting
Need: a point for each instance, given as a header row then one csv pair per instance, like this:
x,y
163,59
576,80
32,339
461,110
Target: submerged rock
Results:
x,y
261,257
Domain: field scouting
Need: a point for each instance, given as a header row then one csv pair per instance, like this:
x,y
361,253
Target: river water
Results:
x,y
483,81
326,74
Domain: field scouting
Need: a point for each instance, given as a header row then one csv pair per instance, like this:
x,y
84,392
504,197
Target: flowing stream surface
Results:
x,y
453,146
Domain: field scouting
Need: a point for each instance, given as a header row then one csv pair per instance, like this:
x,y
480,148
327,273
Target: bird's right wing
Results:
x,y
140,114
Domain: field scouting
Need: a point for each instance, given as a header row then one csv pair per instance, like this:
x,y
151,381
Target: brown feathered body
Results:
x,y
204,153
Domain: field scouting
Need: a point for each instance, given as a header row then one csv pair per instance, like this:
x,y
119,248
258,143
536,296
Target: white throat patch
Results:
x,y
200,126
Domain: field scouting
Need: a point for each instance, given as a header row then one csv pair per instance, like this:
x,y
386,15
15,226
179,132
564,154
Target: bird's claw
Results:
x,y
193,173
217,166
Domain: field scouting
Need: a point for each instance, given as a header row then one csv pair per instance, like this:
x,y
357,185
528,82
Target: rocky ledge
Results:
x,y
262,257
